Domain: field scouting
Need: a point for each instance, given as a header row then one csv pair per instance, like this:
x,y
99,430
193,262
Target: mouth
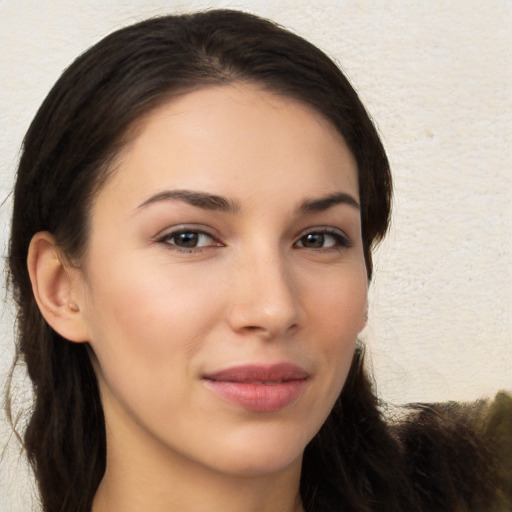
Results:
x,y
259,388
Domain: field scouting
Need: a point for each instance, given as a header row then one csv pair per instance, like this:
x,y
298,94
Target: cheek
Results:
x,y
147,328
338,301
338,313
151,299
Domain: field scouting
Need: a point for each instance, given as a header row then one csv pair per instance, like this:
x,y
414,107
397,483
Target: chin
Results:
x,y
260,465
254,454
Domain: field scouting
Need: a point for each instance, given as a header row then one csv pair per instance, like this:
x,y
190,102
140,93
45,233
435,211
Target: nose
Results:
x,y
265,301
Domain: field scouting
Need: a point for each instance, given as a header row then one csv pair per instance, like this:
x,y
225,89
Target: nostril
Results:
x,y
256,329
253,328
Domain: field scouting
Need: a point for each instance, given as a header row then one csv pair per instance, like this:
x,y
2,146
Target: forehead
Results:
x,y
232,139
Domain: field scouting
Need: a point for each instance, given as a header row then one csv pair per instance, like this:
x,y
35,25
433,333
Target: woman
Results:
x,y
195,210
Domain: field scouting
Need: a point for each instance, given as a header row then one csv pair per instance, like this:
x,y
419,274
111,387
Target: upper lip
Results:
x,y
255,373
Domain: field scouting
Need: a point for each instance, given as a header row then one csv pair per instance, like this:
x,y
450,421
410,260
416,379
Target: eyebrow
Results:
x,y
214,202
324,203
200,199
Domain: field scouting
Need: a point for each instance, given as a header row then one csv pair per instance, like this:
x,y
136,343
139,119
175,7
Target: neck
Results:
x,y
130,495
133,486
143,474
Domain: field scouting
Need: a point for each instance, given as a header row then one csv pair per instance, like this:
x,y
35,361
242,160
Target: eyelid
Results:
x,y
173,231
344,240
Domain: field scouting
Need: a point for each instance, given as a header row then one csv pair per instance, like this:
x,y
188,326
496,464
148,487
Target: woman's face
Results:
x,y
224,283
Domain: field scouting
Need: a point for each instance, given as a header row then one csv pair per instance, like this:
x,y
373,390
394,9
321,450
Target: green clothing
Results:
x,y
496,427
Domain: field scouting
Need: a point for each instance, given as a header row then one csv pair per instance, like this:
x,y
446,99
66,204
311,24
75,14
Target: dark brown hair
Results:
x,y
356,462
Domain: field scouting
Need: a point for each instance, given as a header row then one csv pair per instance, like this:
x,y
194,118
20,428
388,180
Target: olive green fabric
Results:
x,y
496,427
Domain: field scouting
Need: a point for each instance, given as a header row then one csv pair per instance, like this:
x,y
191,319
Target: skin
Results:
x,y
266,284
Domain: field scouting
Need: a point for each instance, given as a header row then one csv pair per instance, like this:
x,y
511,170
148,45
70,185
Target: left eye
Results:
x,y
188,239
322,240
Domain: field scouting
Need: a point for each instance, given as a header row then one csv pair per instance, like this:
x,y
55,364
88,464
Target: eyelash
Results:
x,y
166,240
341,241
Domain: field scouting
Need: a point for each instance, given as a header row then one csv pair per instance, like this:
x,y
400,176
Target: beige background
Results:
x,y
437,78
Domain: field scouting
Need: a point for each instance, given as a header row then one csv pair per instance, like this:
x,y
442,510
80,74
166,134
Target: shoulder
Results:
x,y
495,426
459,455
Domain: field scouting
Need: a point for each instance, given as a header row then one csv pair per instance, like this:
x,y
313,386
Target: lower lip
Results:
x,y
258,397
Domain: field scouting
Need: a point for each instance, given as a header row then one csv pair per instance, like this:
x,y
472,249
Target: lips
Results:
x,y
258,388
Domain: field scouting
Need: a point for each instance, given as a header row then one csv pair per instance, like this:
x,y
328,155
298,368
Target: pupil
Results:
x,y
187,239
314,241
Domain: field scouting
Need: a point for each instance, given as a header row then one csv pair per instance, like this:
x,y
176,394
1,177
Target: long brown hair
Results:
x,y
356,462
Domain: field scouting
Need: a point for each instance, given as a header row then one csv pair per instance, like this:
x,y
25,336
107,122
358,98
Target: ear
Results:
x,y
56,288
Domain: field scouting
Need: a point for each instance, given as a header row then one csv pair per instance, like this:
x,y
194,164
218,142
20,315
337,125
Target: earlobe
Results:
x,y
55,288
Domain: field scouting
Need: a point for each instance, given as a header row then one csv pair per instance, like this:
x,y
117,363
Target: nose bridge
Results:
x,y
266,299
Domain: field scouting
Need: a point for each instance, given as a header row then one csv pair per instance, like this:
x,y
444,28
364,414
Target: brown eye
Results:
x,y
323,240
188,239
313,240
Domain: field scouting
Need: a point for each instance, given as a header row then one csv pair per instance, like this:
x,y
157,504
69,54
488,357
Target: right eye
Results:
x,y
189,239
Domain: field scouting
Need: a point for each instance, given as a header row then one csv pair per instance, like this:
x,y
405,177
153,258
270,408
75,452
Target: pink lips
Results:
x,y
259,388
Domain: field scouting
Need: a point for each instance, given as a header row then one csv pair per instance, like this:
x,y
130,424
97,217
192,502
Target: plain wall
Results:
x,y
436,76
